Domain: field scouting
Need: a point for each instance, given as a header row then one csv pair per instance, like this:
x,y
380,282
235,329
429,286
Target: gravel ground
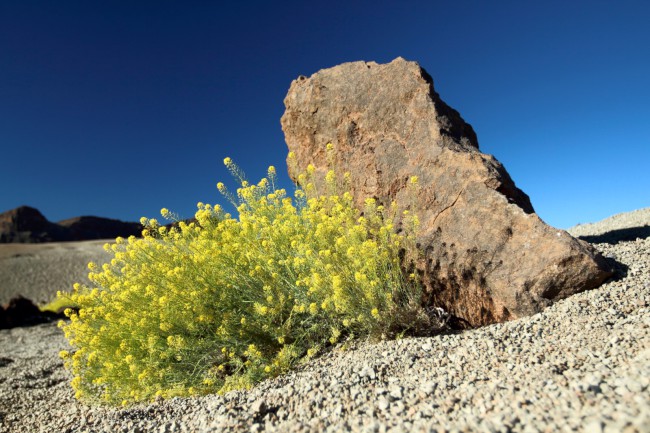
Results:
x,y
581,365
624,226
626,220
38,271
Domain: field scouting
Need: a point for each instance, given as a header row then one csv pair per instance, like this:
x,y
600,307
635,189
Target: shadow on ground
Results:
x,y
615,236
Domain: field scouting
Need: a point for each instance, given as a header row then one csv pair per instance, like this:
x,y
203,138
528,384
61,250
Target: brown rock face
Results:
x,y
485,255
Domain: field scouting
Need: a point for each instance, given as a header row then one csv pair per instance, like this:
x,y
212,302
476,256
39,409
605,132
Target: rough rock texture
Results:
x,y
27,225
621,229
477,228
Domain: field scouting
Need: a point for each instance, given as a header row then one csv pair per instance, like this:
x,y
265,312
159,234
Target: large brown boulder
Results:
x,y
486,256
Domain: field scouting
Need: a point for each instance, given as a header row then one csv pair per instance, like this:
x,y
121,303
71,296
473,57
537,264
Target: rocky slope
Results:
x,y
582,364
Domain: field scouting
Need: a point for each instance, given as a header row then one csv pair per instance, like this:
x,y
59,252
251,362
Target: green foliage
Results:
x,y
223,303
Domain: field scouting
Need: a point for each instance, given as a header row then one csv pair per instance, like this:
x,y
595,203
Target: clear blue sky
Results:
x,y
120,108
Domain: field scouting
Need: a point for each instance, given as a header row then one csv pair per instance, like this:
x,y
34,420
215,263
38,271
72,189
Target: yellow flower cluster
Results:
x,y
222,303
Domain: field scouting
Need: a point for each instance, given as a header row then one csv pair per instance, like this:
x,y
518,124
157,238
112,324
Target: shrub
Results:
x,y
222,303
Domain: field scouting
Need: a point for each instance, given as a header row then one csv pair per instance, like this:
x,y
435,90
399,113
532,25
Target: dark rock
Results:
x,y
21,311
485,255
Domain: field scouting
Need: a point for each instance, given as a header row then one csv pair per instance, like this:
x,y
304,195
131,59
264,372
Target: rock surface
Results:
x,y
91,227
387,123
27,225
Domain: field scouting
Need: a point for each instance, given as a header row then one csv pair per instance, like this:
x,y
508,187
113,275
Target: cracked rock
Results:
x,y
387,123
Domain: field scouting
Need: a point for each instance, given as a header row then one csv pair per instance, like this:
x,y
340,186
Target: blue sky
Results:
x,y
120,108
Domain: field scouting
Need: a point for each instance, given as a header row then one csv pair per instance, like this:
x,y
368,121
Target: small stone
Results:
x,y
634,386
258,406
397,408
428,387
368,372
395,392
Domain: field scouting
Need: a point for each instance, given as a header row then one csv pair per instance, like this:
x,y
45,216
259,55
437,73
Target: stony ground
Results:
x,y
581,365
37,271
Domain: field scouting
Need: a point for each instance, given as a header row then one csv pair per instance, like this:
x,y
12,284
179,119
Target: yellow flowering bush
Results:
x,y
222,303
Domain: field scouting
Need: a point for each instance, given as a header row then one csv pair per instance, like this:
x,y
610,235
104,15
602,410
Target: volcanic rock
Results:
x,y
483,254
21,311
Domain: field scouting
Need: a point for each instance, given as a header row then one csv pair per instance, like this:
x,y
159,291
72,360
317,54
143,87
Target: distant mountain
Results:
x,y
27,225
91,227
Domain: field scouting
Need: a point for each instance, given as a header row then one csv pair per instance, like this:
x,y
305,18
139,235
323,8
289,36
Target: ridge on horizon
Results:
x,y
26,224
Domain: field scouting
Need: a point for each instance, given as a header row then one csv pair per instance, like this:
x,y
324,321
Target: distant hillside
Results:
x,y
27,225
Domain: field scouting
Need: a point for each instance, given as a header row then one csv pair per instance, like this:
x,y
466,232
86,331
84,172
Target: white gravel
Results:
x,y
581,365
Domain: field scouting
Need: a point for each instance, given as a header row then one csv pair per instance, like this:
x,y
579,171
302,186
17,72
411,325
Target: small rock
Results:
x,y
428,387
258,406
382,403
368,372
395,392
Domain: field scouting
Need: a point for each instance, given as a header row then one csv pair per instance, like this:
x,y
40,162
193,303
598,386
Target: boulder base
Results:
x,y
485,256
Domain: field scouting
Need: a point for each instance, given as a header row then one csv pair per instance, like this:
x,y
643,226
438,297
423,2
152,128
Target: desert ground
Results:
x,y
582,364
38,271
